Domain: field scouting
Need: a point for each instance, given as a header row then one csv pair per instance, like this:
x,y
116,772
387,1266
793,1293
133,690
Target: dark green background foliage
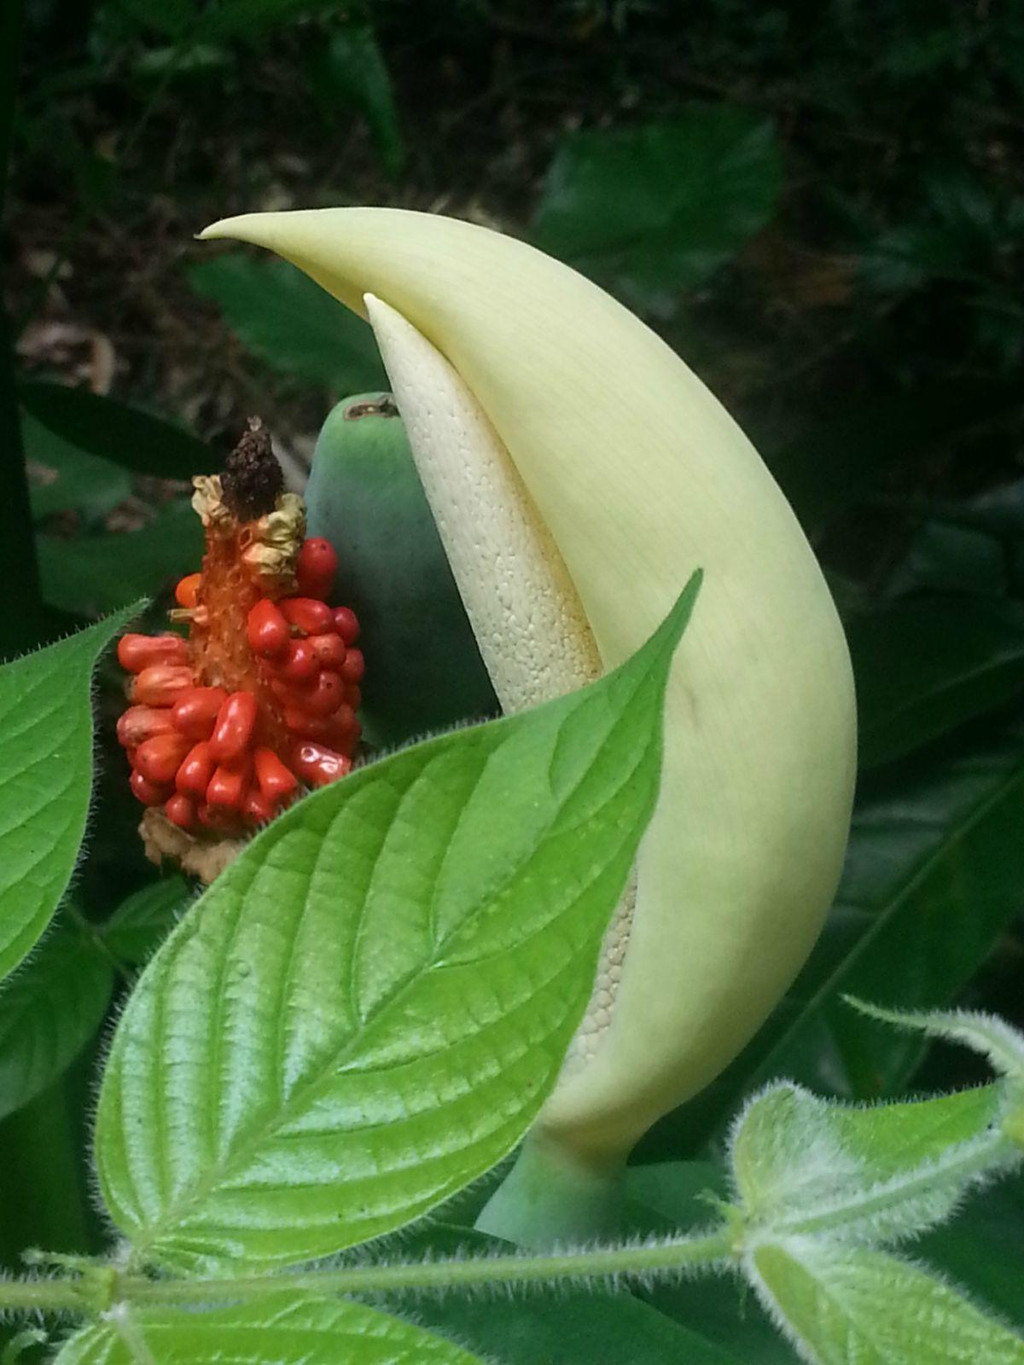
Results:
x,y
821,206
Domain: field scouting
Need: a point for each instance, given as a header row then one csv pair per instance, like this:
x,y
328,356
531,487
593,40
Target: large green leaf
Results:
x,y
366,1010
106,428
48,1012
281,1329
45,779
656,209
285,319
848,1304
91,574
926,665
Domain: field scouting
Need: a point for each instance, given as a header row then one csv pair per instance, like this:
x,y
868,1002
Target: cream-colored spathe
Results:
x,y
527,618
640,476
529,622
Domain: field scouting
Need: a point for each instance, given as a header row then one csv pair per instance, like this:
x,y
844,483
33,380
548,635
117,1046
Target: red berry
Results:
x,y
180,811
299,662
300,722
267,629
186,594
346,623
315,567
160,684
354,667
149,793
353,696
195,710
275,780
345,720
257,809
232,732
229,785
136,652
328,649
308,614
321,699
221,819
196,769
157,759
140,723
319,765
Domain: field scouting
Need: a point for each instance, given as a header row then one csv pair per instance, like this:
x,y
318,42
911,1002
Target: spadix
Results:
x,y
579,473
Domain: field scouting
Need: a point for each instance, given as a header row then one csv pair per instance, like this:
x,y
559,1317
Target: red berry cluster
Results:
x,y
221,759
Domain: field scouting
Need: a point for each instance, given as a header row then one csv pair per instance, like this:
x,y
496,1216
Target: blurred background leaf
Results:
x,y
286,320
93,574
64,478
655,210
49,1010
350,72
101,426
927,665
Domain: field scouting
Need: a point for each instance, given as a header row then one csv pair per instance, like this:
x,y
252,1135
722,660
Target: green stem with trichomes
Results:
x,y
99,1290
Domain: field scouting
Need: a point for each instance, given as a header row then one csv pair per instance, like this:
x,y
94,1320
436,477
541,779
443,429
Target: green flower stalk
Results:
x,y
578,473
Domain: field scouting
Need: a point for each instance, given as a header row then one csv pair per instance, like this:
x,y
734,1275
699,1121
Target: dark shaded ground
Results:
x,y
887,273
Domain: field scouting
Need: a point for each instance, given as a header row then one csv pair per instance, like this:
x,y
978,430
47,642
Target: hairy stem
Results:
x,y
664,1258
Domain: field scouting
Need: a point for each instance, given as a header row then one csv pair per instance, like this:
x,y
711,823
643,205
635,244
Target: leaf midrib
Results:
x,y
301,1097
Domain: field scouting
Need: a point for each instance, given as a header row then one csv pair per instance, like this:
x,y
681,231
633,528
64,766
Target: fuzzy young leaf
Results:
x,y
995,1039
282,1329
48,1012
869,1175
45,779
365,1012
840,1304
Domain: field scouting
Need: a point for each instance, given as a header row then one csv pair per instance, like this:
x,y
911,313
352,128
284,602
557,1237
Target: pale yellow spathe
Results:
x,y
640,476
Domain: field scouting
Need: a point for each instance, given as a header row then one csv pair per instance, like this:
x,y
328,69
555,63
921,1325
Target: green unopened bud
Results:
x,y
365,497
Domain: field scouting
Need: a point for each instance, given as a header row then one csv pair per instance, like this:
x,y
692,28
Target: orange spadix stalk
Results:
x,y
578,473
226,727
